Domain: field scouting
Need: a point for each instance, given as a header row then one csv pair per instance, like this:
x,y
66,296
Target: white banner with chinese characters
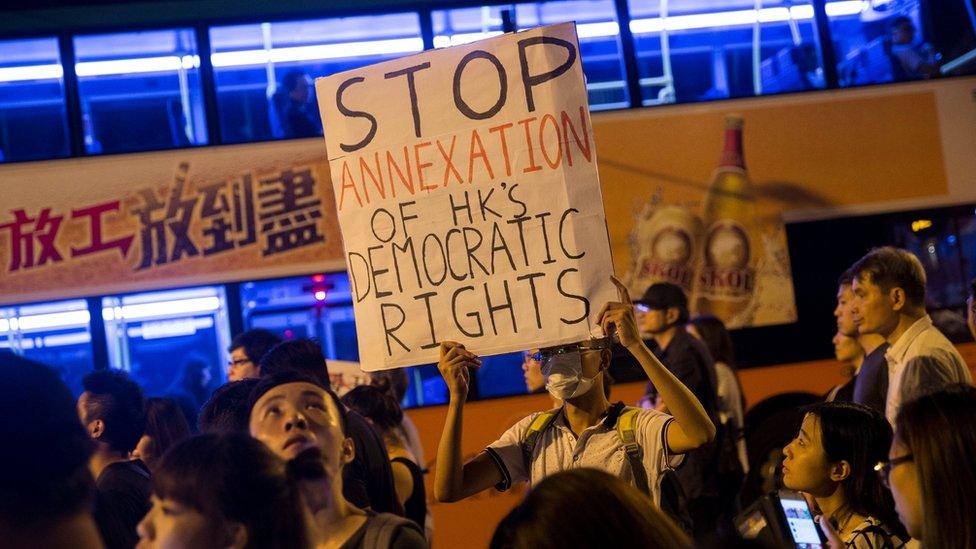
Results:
x,y
468,196
80,227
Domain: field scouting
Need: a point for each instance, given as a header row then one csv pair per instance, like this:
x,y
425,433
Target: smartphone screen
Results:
x,y
804,530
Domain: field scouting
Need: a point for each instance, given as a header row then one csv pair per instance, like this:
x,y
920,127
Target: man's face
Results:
x,y
873,308
240,366
843,313
295,416
652,320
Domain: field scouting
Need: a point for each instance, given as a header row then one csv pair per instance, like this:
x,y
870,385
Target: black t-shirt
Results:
x,y
368,481
404,534
871,383
121,501
689,360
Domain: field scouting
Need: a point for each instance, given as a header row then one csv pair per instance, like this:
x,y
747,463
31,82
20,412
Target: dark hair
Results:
x,y
44,471
165,424
586,508
395,382
860,436
846,278
117,400
266,383
299,355
890,267
377,405
665,295
939,430
291,78
227,410
716,338
256,343
972,287
236,478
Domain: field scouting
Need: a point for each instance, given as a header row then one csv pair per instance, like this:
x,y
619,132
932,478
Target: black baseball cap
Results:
x,y
664,295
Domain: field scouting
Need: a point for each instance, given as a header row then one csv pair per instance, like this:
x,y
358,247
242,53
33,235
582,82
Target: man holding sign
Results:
x,y
587,431
468,197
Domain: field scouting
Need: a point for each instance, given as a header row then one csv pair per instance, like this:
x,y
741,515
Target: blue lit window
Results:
x,y
173,343
316,306
903,40
32,113
55,334
596,25
698,51
264,71
140,91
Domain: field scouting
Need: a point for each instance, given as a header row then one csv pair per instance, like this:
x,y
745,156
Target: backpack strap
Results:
x,y
382,528
536,428
627,431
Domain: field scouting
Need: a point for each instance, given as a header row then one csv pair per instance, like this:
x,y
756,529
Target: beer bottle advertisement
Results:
x,y
726,278
731,260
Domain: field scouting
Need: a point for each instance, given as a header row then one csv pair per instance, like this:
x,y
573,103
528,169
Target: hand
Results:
x,y
455,366
833,538
620,317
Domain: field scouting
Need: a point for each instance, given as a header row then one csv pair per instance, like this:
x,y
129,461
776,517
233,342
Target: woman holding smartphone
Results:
x,y
832,460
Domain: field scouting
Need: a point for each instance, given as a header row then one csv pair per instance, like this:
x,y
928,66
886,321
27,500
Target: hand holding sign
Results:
x,y
619,317
455,367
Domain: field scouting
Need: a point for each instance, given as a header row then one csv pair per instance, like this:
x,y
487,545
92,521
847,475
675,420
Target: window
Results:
x,y
140,91
597,28
698,51
33,124
901,40
55,334
320,306
264,72
173,343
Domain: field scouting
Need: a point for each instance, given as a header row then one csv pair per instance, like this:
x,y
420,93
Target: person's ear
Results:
x,y
234,536
898,298
348,451
672,315
96,429
840,470
606,355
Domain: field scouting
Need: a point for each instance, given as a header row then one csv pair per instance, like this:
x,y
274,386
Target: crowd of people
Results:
x,y
275,458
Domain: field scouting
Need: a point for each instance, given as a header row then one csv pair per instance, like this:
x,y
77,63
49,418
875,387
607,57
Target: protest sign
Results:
x,y
468,198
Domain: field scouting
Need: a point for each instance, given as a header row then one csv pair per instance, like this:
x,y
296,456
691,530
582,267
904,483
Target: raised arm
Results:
x,y
452,480
692,427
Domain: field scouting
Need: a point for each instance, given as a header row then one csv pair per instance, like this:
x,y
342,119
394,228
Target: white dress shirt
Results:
x,y
921,362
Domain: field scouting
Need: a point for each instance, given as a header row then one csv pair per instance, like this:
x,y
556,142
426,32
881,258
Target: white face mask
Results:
x,y
565,376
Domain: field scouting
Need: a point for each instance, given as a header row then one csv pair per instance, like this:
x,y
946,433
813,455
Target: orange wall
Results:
x,y
470,523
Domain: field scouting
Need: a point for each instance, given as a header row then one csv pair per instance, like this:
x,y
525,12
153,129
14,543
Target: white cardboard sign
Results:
x,y
468,198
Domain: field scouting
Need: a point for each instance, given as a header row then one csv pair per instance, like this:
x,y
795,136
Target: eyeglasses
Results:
x,y
883,468
596,344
